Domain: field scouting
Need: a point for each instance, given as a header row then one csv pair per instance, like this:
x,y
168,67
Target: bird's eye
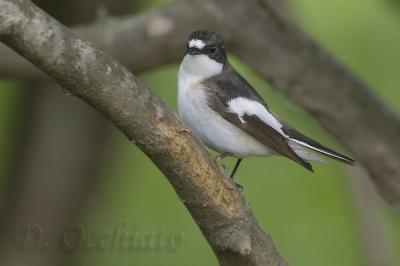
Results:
x,y
213,48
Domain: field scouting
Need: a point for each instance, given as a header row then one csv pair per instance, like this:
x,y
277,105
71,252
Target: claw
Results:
x,y
222,156
239,186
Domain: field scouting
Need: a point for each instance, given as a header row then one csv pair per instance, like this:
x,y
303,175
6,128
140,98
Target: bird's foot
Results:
x,y
239,186
220,165
218,158
224,168
221,156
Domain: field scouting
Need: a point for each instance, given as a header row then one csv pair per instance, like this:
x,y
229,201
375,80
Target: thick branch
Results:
x,y
212,199
57,162
139,42
274,47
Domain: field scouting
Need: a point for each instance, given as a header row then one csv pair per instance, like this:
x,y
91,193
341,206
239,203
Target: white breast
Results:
x,y
211,128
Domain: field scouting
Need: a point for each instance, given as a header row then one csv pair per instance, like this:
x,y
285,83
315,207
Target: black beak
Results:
x,y
193,51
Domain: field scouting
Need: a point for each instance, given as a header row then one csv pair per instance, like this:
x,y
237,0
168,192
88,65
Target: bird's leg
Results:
x,y
235,168
234,172
226,154
222,155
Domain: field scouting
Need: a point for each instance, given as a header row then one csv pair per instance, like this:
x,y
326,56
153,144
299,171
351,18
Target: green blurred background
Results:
x,y
314,219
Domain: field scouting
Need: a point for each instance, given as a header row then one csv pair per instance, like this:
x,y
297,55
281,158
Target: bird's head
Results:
x,y
205,54
206,43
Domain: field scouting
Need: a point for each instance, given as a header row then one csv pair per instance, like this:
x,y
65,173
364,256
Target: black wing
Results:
x,y
230,84
222,89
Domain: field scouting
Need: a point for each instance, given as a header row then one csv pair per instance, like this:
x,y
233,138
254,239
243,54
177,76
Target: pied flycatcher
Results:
x,y
227,113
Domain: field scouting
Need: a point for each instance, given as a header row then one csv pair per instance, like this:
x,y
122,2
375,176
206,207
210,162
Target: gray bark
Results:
x,y
212,198
58,160
275,48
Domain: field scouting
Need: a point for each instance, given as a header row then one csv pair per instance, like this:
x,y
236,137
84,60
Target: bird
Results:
x,y
228,115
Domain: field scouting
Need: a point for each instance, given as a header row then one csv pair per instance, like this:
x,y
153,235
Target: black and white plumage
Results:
x,y
228,114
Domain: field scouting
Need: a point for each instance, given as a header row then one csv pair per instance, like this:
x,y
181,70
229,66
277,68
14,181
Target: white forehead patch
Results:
x,y
199,44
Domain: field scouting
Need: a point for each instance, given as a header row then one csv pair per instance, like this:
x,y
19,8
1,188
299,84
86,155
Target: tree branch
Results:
x,y
212,199
140,42
54,150
274,47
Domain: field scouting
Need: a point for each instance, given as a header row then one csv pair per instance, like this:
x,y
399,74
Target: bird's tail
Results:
x,y
305,148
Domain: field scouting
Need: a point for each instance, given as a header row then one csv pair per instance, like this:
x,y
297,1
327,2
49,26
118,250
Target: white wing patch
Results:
x,y
243,106
199,44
